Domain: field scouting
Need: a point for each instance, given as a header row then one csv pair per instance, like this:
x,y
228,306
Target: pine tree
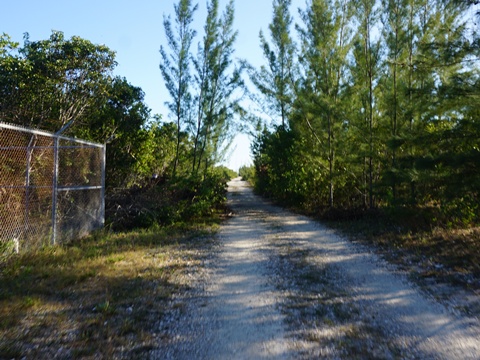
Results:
x,y
274,81
216,84
326,41
451,132
365,75
175,66
395,34
426,50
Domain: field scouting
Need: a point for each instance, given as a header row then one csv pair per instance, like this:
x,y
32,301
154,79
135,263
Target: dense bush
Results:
x,y
169,202
247,173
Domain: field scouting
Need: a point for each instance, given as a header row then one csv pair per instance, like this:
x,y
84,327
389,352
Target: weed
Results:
x,y
105,308
30,302
115,258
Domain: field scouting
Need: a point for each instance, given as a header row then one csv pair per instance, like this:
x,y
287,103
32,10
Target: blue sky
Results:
x,y
134,30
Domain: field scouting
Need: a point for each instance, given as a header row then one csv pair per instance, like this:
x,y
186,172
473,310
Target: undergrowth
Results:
x,y
167,202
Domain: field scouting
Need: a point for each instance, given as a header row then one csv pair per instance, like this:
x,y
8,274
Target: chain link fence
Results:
x,y
51,187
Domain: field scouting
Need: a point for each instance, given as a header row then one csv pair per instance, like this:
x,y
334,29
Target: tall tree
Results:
x,y
56,81
395,30
426,49
275,80
452,62
216,83
404,114
326,42
365,75
49,83
120,120
175,66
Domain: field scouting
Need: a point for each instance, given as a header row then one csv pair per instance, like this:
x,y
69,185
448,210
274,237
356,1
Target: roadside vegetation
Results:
x,y
247,173
374,108
100,297
376,128
103,296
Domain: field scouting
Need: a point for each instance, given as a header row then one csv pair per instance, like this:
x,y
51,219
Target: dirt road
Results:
x,y
281,286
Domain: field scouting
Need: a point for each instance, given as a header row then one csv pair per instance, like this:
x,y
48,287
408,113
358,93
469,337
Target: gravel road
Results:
x,y
281,286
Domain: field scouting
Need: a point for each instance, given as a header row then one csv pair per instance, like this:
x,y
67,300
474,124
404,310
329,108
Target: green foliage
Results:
x,y
278,167
175,67
215,102
178,200
202,87
227,173
275,81
67,83
55,82
381,118
247,173
320,106
132,148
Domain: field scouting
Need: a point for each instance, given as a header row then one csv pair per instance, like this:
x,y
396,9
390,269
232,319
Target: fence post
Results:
x,y
104,165
54,189
27,185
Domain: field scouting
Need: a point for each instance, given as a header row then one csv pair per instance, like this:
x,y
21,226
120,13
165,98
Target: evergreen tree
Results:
x,y
398,126
274,81
365,75
395,34
326,42
452,130
216,84
175,66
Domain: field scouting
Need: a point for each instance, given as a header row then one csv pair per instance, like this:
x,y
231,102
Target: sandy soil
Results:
x,y
240,303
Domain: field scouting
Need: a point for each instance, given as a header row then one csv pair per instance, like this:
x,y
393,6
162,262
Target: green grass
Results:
x,y
95,296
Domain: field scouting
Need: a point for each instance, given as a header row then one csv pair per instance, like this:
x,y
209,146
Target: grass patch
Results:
x,y
99,297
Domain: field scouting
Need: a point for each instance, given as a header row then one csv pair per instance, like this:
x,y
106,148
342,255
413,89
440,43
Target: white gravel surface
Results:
x,y
238,305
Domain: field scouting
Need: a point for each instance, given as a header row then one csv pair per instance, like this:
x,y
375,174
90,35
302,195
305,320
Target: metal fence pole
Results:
x,y
54,189
104,162
27,184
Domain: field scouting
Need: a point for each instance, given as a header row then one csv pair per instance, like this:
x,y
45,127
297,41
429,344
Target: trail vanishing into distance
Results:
x,y
282,286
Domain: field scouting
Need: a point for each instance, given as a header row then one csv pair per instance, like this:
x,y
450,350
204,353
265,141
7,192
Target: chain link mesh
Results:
x,y
34,208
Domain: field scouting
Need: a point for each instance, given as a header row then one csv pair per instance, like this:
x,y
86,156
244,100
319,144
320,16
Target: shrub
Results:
x,y
247,173
166,203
